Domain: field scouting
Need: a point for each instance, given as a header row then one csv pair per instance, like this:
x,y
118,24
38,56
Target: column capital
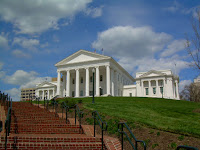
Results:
x,y
96,66
87,67
77,69
107,65
68,70
58,71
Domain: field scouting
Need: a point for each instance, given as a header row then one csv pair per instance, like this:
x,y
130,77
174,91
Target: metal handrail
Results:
x,y
7,124
186,147
64,105
1,126
101,123
80,114
122,132
55,103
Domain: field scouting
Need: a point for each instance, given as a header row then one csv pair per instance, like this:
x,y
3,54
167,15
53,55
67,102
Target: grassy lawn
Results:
x,y
169,115
164,114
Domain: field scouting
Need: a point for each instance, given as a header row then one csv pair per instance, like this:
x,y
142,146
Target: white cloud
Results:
x,y
36,16
23,79
174,7
183,83
174,47
94,12
133,42
135,49
3,42
26,43
20,77
14,93
19,54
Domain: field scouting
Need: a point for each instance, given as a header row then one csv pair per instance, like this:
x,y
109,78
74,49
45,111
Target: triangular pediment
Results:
x,y
45,84
81,56
152,73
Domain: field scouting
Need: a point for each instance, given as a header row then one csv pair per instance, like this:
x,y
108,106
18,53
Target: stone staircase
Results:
x,y
36,128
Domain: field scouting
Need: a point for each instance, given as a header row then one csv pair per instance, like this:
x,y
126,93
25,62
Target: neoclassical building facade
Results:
x,y
75,79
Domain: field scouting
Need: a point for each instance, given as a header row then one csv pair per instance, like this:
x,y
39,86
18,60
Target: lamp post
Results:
x,y
93,71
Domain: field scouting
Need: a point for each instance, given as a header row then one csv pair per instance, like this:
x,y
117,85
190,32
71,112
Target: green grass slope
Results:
x,y
169,115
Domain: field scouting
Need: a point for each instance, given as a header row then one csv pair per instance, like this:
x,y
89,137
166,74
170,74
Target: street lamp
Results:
x,y
93,71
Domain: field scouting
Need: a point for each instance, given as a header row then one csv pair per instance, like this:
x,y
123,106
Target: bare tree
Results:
x,y
193,43
191,92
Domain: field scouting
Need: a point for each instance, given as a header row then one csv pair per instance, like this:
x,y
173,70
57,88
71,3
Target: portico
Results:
x,y
46,90
76,71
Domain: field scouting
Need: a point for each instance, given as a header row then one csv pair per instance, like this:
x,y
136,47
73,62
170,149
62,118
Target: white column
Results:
x,y
58,83
112,83
142,84
115,83
77,82
53,92
87,84
157,88
64,84
48,94
68,84
177,92
42,94
108,79
164,88
149,87
97,81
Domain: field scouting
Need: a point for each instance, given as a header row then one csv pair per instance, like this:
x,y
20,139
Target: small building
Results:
x,y
160,83
27,94
46,89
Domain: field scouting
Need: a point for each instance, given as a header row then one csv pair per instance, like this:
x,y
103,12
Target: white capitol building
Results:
x,y
75,79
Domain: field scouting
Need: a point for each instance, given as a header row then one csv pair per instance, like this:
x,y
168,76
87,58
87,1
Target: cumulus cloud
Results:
x,y
36,16
26,43
134,42
20,77
94,12
183,83
135,49
20,54
23,79
3,42
174,47
14,93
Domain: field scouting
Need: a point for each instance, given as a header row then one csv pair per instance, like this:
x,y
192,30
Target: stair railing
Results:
x,y
55,106
80,114
1,126
186,147
8,123
122,132
97,118
64,105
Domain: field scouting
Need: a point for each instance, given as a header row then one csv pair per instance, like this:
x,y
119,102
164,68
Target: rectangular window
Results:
x,y
147,91
90,78
73,93
73,81
130,94
154,90
101,91
101,77
81,79
91,93
161,90
81,93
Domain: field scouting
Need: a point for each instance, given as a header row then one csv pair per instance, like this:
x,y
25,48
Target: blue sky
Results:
x,y
141,35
